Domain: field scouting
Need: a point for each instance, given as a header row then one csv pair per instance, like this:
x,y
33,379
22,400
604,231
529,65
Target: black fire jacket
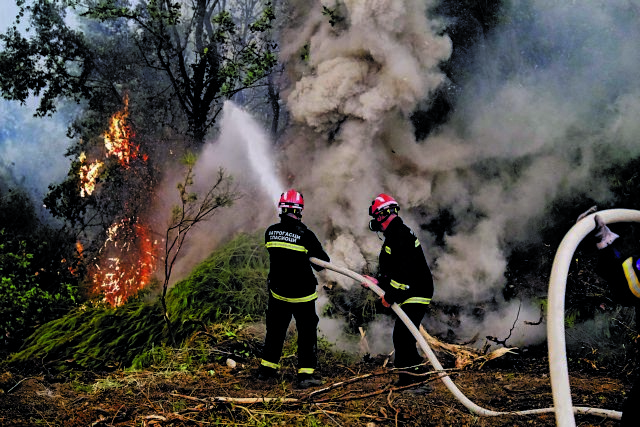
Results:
x,y
290,244
622,274
403,273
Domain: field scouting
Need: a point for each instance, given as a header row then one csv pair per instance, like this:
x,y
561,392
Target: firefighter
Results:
x,y
292,290
621,272
405,277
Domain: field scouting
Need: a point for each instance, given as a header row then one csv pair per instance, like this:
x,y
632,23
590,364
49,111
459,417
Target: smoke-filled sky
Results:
x,y
550,99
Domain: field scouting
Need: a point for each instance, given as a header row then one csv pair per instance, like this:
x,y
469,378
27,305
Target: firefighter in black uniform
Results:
x,y
404,276
622,273
292,288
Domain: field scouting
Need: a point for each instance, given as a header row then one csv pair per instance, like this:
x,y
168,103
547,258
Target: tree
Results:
x,y
192,210
176,63
55,63
197,53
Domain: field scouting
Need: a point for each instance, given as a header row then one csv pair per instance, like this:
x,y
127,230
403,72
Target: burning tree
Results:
x,y
112,184
184,60
173,65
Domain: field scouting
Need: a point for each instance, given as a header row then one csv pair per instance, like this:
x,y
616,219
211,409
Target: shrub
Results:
x,y
37,282
232,279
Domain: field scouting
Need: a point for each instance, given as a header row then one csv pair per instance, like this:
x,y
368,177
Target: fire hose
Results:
x,y
471,406
555,317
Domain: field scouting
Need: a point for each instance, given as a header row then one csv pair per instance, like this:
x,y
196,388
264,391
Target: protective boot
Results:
x,y
308,380
418,388
606,236
266,374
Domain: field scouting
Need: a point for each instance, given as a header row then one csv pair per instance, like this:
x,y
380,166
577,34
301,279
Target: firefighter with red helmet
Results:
x,y
404,276
292,290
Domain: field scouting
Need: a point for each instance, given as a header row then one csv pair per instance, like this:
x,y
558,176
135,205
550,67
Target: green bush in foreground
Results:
x,y
231,281
38,281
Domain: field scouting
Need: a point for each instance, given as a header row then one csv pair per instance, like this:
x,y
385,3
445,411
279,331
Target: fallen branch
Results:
x,y
245,400
378,392
464,355
342,384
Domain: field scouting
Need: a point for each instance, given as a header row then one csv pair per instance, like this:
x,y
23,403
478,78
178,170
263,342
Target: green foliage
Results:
x,y
263,23
221,61
54,63
225,27
228,337
97,336
231,280
36,285
233,276
155,356
27,302
193,209
139,46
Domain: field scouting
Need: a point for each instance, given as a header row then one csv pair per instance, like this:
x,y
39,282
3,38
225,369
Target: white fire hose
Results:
x,y
555,316
437,366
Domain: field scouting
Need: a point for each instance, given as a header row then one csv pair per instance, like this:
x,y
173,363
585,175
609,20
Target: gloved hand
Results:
x,y
384,302
366,284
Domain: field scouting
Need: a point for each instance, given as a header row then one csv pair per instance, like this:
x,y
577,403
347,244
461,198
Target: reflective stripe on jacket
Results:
x,y
290,244
632,277
403,272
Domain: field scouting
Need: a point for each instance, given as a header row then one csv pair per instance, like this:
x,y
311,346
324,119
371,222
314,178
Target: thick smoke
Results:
x,y
551,99
243,149
365,74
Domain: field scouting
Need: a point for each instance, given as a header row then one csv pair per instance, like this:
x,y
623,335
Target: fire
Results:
x,y
126,262
76,263
88,174
117,140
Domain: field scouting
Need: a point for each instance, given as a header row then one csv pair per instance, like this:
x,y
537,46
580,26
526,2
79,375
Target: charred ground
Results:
x,y
61,379
186,388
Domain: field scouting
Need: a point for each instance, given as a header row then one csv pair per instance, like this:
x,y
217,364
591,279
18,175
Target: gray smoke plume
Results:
x,y
365,74
552,99
243,149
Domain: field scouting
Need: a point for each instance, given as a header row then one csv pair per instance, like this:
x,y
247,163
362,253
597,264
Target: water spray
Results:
x,y
256,145
447,380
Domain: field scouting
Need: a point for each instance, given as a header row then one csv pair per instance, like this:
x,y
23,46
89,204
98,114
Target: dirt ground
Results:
x,y
366,398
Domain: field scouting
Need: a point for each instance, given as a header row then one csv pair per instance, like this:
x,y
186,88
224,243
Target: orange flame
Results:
x,y
125,264
127,259
76,263
88,175
117,140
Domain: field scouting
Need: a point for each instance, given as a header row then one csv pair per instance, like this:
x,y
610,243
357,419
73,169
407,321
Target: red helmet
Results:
x,y
291,199
383,204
